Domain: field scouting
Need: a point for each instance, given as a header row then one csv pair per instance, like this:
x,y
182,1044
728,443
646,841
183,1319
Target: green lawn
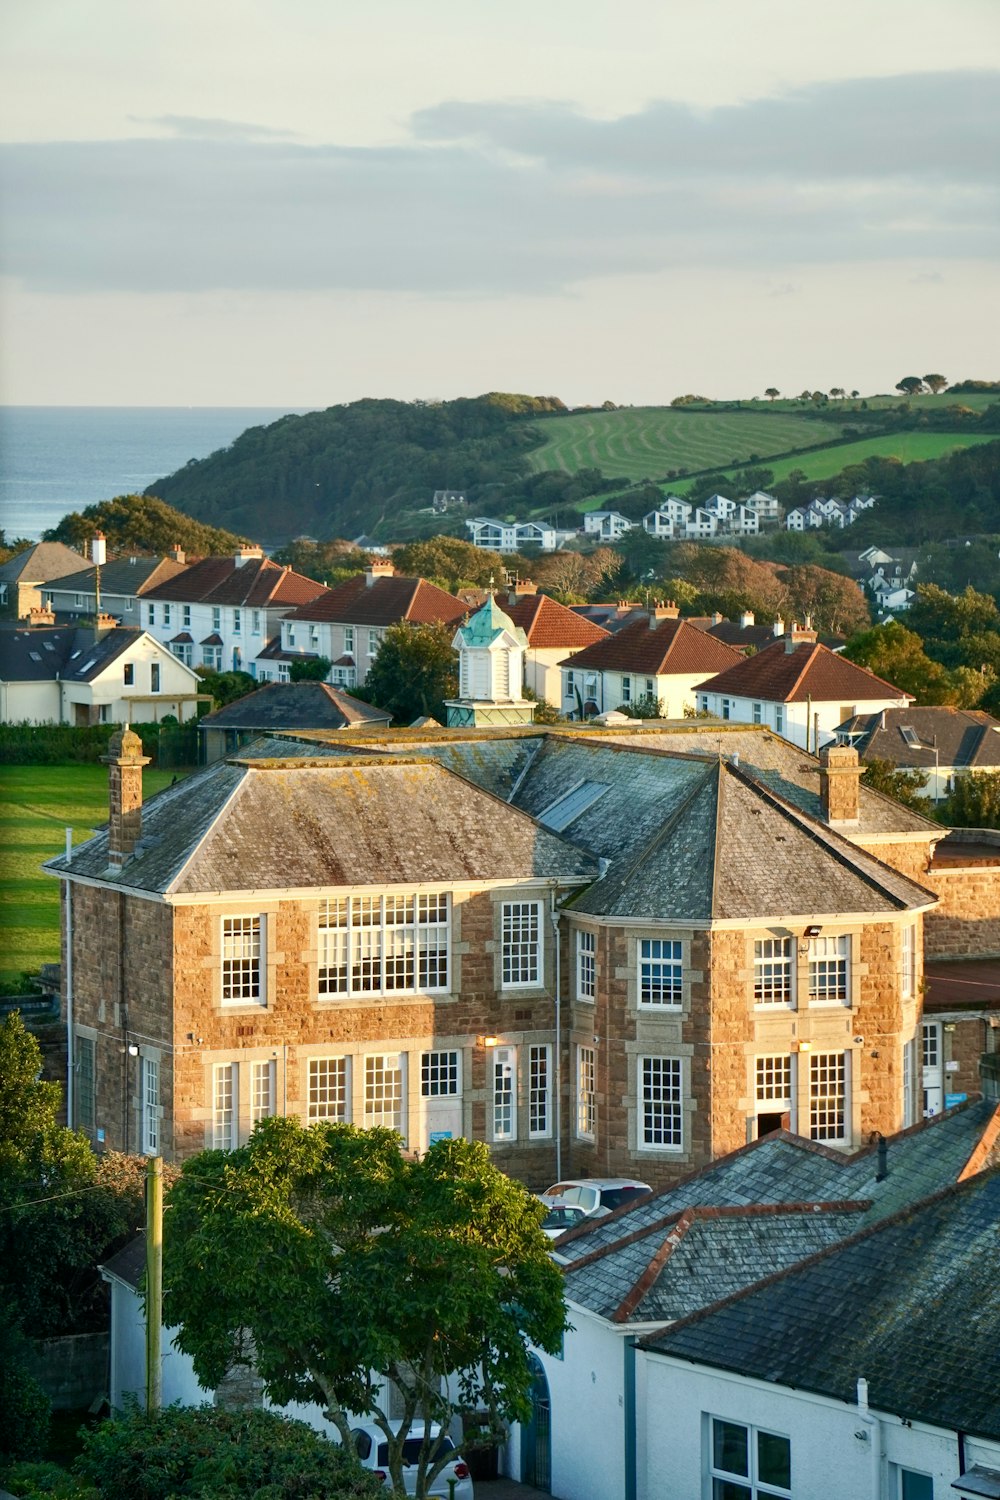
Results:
x,y
37,804
906,446
647,442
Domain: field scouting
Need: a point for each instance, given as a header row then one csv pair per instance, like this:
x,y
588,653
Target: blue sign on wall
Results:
x,y
445,1135
950,1100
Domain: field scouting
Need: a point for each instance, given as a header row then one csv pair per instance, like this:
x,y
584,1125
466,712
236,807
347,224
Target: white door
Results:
x,y
440,1097
933,1067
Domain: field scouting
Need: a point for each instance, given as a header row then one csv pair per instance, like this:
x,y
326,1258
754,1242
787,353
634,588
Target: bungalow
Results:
x,y
798,688
939,741
23,577
658,656
284,707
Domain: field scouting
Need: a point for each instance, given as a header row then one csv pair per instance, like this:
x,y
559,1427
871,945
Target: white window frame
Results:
x,y
660,969
829,982
374,641
908,987
151,614
774,973
225,1106
749,1483
154,677
522,950
255,622
166,614
349,640
385,1092
186,615
150,1111
626,688
900,1473
262,1090
85,1094
586,1093
217,617
661,1103
758,713
237,622
779,718
503,1092
396,944
539,1099
909,1084
441,1074
328,1089
774,1084
829,1097
586,965
243,969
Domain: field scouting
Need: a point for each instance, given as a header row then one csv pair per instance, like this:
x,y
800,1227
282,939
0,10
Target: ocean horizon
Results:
x,y
59,459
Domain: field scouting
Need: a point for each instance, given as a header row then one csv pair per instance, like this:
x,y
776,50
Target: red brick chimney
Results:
x,y
379,567
43,616
523,588
125,761
799,634
839,781
663,611
177,553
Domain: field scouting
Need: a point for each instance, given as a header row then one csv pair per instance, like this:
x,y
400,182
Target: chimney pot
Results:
x,y
177,553
379,567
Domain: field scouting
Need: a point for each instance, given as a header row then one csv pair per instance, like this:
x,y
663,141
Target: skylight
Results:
x,y
911,736
560,813
34,656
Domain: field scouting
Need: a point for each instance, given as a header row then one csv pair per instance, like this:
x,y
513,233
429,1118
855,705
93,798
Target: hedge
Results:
x,y
167,745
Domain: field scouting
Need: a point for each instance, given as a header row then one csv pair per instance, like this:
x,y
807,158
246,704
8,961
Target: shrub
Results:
x,y
24,1413
211,1453
45,1482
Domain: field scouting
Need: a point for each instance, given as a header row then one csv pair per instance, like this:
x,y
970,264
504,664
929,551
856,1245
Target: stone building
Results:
x,y
602,951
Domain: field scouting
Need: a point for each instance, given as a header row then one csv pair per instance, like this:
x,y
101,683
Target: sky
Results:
x,y
303,202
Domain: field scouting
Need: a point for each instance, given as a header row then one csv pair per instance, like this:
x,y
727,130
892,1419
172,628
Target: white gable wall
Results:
x,y
792,719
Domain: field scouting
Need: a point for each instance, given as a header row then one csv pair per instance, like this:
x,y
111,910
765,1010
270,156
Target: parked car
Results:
x,y
596,1195
560,1217
373,1451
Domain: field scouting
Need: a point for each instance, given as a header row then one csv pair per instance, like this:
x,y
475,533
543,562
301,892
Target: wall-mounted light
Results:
x,y
487,1041
813,930
133,1050
805,1046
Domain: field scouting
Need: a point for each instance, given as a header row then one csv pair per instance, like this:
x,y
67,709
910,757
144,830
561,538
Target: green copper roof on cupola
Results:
x,y
489,622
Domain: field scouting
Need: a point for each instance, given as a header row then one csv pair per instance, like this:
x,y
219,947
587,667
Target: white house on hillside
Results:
x,y
608,525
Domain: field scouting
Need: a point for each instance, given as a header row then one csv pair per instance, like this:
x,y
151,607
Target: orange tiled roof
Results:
x,y
673,648
549,624
384,602
808,671
220,580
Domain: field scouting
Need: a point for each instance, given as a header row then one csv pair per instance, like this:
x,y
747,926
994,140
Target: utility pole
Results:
x,y
154,1281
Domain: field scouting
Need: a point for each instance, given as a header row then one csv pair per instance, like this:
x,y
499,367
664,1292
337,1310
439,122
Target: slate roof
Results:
x,y
658,649
809,670
221,580
294,705
385,601
256,824
610,617
127,576
66,651
786,1168
965,737
550,625
41,563
912,1304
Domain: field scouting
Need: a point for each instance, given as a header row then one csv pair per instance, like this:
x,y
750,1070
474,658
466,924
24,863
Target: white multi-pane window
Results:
x,y
828,978
661,973
779,719
772,971
539,1090
374,641
774,1079
828,1096
166,614
661,1122
586,964
383,944
439,1075
503,1065
521,944
261,1090
216,618
242,980
909,1103
349,638
186,616
758,713
237,622
909,975
150,1099
151,614
747,1463
86,1113
255,622
586,1093
225,1107
328,1089
385,1102
626,690
930,1045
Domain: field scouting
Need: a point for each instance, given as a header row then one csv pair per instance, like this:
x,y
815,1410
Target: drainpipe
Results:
x,y
554,918
628,1394
871,1433
70,1040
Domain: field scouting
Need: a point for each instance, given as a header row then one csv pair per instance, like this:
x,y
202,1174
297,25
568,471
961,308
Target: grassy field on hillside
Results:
x,y
647,442
37,804
841,410
909,447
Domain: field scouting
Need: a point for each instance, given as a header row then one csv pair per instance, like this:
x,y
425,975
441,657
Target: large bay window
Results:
x,y
660,973
242,961
521,965
661,1121
383,944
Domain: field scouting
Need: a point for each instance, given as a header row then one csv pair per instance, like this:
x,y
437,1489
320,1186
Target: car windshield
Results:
x,y
615,1197
561,1218
411,1450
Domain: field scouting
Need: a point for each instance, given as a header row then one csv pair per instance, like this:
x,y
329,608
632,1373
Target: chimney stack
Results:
x,y
523,588
839,781
663,611
45,615
379,567
245,553
778,627
747,619
125,761
177,553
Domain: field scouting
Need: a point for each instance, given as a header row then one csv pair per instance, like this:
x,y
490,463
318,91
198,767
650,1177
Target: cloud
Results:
x,y
199,128
529,197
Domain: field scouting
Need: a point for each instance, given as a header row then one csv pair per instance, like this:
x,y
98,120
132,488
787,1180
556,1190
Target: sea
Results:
x,y
57,459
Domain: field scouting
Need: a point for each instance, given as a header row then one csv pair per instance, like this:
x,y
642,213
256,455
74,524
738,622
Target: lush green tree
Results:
x,y
415,671
910,385
334,1262
226,687
935,383
946,620
648,706
450,562
973,802
772,393
897,655
214,1454
904,786
141,523
833,602
752,477
310,669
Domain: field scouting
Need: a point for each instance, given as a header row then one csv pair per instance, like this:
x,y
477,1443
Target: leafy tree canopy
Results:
x,y
450,562
226,687
904,786
141,523
310,669
974,801
415,670
338,1262
897,654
